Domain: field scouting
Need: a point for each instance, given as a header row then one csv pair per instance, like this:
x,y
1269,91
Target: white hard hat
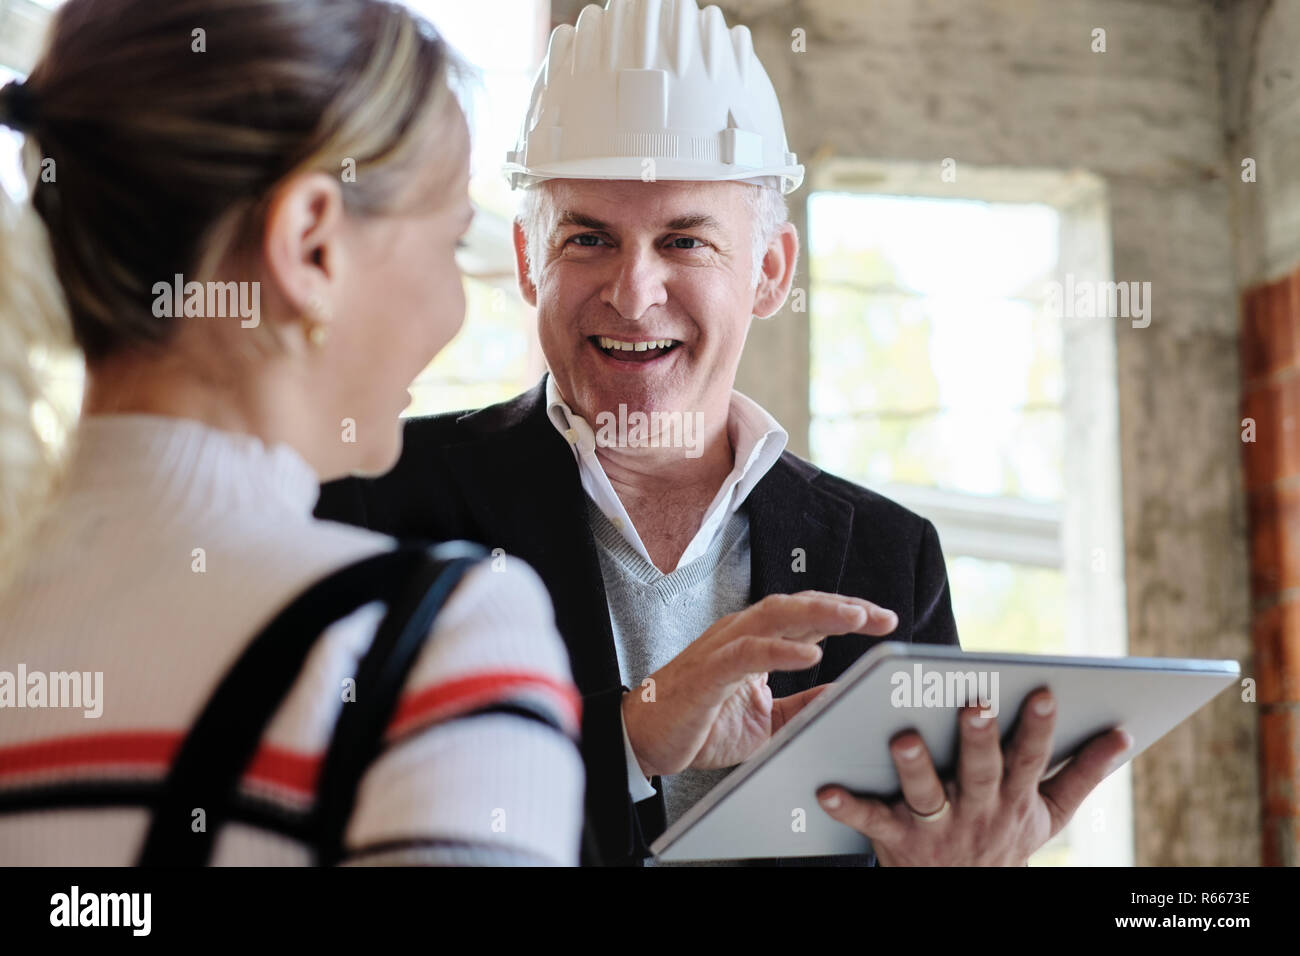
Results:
x,y
655,80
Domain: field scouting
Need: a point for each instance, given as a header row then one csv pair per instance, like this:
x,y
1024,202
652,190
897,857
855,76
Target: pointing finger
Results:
x,y
755,655
812,615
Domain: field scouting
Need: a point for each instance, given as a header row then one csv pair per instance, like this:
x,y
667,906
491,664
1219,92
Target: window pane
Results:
x,y
934,361
960,247
1009,454
1007,607
495,356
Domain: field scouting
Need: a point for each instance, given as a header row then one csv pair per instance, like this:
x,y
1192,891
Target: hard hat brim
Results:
x,y
627,168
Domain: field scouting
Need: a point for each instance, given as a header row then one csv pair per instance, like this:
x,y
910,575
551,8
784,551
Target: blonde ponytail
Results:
x,y
33,326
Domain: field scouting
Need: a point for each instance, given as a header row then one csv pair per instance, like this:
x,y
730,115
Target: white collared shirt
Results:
x,y
757,440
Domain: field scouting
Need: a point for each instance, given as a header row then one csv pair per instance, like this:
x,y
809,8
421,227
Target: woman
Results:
x,y
249,213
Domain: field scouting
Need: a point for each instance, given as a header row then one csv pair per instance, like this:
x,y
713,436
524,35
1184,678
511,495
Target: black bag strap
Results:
x,y
381,675
211,760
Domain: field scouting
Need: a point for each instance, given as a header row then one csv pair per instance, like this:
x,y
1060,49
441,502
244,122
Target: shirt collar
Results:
x,y
757,440
756,437
575,429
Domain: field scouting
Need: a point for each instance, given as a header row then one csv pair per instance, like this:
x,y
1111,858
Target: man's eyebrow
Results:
x,y
571,218
697,220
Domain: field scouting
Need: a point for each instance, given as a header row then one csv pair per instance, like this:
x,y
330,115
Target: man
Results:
x,y
696,567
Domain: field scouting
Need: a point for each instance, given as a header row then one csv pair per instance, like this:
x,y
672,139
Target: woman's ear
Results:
x,y
301,245
526,287
776,273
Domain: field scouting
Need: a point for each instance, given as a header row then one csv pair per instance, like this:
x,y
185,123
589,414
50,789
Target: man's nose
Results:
x,y
637,284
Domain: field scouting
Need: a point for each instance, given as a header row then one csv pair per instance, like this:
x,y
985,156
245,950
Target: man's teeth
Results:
x,y
608,343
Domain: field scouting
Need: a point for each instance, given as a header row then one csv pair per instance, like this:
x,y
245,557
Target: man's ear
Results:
x,y
776,274
526,287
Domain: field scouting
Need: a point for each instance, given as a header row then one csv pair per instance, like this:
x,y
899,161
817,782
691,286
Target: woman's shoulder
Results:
x,y
499,599
502,597
497,622
494,643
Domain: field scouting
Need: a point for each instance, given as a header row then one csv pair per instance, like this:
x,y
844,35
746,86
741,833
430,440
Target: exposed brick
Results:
x,y
1292,324
1274,540
1254,353
1279,746
1260,458
1277,653
1281,844
1268,340
1275,452
1278,309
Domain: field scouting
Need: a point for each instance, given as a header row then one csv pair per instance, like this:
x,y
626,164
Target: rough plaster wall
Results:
x,y
1261,83
1013,83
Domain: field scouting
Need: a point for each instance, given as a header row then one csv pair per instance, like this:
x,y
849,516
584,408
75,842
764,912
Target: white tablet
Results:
x,y
767,806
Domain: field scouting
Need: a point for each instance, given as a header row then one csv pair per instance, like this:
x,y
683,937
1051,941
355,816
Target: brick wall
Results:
x,y
1270,361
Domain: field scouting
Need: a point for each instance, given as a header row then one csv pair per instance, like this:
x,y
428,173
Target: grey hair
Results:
x,y
538,216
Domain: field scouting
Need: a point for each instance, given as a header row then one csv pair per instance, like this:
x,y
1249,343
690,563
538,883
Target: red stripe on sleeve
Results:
x,y
131,747
149,750
449,698
152,751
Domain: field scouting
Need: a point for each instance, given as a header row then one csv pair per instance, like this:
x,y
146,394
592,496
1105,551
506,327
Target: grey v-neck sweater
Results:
x,y
655,616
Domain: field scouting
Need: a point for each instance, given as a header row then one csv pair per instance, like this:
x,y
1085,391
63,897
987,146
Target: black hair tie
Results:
x,y
17,106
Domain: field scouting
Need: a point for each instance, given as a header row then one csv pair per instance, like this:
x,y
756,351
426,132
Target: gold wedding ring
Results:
x,y
932,817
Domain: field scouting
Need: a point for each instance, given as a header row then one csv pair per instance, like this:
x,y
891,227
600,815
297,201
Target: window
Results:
x,y
937,377
496,355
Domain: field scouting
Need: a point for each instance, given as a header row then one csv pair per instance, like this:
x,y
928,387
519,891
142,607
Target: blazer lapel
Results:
x,y
799,538
522,483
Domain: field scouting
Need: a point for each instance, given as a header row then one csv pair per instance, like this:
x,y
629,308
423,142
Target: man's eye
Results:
x,y
582,239
678,243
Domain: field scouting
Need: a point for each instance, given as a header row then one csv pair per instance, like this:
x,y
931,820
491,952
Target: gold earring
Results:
x,y
317,331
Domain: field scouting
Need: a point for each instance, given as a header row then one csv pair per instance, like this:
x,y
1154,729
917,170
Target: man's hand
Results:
x,y
998,812
712,706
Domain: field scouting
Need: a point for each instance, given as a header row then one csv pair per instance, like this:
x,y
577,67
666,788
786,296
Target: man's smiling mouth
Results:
x,y
625,350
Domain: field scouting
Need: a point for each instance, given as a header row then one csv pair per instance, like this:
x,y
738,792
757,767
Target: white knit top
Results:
x,y
172,545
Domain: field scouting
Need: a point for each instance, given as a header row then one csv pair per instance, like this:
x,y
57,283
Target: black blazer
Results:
x,y
503,476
